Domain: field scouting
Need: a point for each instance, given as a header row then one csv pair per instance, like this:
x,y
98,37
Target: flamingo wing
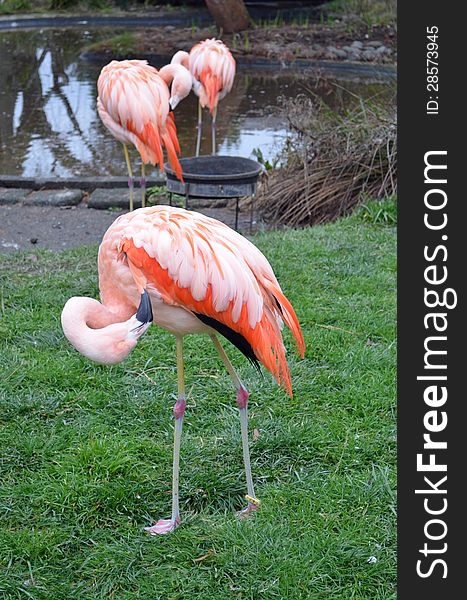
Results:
x,y
133,103
212,65
202,265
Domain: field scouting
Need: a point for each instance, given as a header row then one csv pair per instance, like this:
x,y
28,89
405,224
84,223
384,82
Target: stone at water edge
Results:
x,y
13,195
54,198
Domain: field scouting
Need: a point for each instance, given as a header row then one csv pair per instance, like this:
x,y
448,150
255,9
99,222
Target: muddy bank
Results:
x,y
285,43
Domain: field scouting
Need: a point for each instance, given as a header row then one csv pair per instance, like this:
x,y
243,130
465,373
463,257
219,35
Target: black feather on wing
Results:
x,y
235,338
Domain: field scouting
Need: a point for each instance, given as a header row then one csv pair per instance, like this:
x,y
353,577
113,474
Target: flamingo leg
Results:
x,y
143,184
166,525
213,127
242,403
200,124
130,175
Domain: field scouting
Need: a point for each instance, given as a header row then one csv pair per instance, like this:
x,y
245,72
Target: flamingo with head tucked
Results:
x,y
134,103
213,69
189,274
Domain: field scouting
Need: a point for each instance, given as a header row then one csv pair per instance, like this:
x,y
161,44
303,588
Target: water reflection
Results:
x,y
49,124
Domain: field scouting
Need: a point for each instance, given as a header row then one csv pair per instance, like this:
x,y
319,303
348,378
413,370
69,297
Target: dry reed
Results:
x,y
332,161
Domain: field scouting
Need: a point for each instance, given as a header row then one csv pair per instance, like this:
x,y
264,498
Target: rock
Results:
x,y
355,54
13,195
332,52
341,53
383,50
104,198
368,55
357,44
374,44
54,198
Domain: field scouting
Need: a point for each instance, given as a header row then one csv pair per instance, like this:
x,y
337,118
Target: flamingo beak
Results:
x,y
143,317
173,102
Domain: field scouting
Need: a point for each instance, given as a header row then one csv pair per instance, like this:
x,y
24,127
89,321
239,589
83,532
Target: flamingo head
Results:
x,y
98,335
181,80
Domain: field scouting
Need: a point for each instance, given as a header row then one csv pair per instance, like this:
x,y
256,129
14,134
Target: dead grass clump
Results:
x,y
331,162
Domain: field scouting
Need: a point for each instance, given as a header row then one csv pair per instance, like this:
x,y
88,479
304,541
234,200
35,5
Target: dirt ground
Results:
x,y
32,227
336,41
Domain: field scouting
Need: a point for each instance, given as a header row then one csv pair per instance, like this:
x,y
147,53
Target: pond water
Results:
x,y
49,125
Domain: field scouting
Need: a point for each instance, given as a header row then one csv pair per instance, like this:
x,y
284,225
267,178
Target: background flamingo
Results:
x,y
134,103
189,274
213,69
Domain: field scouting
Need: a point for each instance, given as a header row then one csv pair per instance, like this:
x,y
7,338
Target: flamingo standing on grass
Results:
x,y
134,103
213,69
189,274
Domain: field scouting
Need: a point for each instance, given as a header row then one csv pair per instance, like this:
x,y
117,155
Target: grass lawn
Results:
x,y
86,450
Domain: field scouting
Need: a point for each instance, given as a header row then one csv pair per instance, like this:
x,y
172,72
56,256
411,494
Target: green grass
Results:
x,y
86,450
123,44
369,12
383,212
42,6
83,6
8,7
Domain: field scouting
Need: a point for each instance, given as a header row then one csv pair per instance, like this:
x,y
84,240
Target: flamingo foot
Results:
x,y
247,512
163,526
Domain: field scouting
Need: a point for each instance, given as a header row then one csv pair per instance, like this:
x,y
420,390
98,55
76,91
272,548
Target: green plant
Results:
x,y
13,6
156,194
67,4
246,45
379,212
119,45
302,20
269,166
156,189
367,12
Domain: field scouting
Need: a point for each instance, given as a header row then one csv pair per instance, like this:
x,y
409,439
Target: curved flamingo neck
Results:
x,y
180,58
168,73
181,80
91,313
172,71
98,333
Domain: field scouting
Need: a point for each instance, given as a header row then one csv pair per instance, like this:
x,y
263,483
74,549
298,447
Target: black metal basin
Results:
x,y
215,177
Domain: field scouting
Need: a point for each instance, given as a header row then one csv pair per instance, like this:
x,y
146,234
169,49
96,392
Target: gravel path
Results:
x,y
59,228
29,227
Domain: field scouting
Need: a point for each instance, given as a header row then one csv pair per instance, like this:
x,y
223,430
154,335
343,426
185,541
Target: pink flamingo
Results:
x,y
134,103
213,69
189,274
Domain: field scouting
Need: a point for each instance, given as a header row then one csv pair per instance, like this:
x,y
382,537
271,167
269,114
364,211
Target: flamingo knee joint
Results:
x,y
242,398
179,408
